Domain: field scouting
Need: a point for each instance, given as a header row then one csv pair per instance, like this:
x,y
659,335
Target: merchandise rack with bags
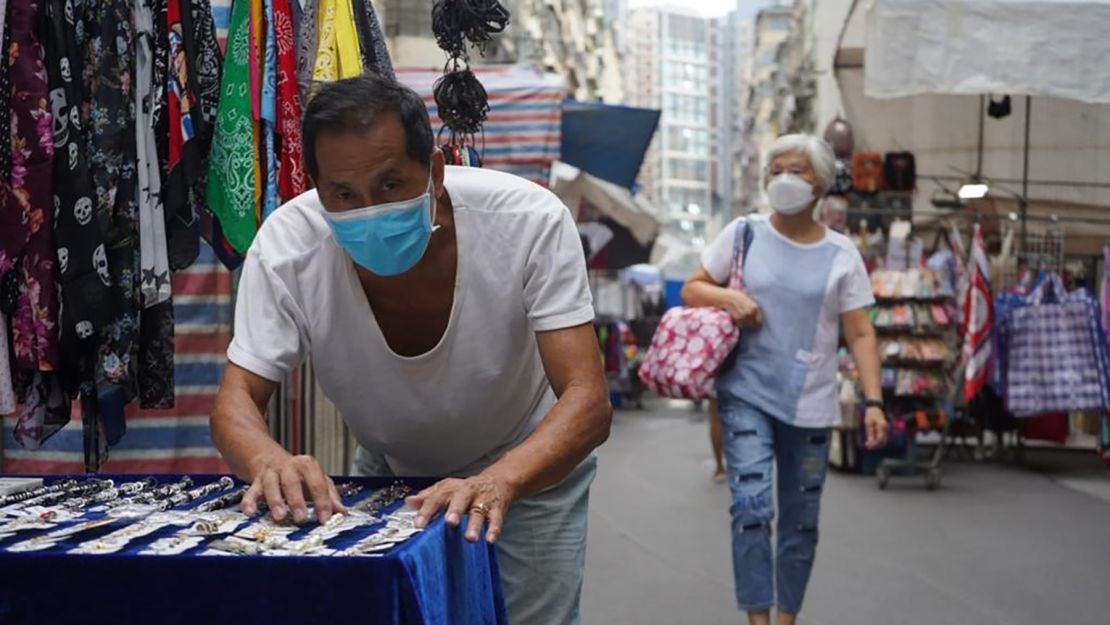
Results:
x,y
915,320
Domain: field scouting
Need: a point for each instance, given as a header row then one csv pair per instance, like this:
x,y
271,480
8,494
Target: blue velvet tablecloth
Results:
x,y
435,578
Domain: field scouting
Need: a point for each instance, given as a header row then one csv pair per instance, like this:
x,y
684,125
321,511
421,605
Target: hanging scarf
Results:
x,y
34,318
198,87
257,59
7,392
109,72
182,128
978,315
337,55
208,64
79,236
231,179
5,125
154,280
375,55
203,50
27,218
268,112
307,42
291,175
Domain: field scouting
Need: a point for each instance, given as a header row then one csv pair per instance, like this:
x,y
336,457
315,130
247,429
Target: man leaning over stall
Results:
x,y
447,314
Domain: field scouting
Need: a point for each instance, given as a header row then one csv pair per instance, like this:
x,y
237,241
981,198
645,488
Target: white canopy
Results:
x,y
1022,47
1069,164
573,186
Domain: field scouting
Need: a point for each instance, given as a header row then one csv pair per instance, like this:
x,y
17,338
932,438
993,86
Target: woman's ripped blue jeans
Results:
x,y
754,443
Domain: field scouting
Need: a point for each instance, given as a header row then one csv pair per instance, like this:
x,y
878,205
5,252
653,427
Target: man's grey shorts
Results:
x,y
542,550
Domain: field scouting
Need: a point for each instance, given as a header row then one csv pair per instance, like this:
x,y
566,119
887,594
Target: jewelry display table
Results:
x,y
169,549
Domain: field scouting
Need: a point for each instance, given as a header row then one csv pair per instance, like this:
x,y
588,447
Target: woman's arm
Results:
x,y
701,291
859,334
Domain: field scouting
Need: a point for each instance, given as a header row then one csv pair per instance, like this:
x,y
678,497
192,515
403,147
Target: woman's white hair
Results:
x,y
818,151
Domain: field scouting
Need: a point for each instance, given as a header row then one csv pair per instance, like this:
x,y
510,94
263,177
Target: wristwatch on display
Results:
x,y
875,403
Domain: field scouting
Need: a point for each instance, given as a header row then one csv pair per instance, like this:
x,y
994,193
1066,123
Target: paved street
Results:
x,y
997,545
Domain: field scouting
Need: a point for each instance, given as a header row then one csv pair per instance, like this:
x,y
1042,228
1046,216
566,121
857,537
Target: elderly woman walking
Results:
x,y
778,397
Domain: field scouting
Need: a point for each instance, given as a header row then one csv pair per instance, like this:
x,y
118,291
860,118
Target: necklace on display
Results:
x,y
20,497
146,497
223,501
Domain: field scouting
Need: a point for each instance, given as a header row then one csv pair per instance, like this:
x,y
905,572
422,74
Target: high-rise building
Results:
x,y
407,25
743,46
782,87
673,64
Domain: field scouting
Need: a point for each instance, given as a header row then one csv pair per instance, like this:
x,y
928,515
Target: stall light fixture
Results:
x,y
975,191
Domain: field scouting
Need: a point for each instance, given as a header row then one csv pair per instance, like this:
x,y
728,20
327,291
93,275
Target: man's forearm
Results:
x,y
577,424
241,434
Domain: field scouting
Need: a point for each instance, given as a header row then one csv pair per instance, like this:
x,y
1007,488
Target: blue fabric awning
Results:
x,y
607,141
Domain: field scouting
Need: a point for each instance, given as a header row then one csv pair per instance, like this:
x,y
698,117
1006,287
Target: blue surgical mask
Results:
x,y
387,239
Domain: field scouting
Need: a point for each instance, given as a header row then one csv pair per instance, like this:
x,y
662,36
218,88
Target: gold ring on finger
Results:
x,y
480,508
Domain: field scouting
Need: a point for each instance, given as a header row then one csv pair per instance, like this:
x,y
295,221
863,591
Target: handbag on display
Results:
x,y
867,172
1057,358
900,171
840,137
691,344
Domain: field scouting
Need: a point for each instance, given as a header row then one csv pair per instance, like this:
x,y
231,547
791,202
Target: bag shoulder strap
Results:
x,y
742,243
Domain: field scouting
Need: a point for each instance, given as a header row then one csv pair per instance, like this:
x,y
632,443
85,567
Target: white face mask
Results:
x,y
789,194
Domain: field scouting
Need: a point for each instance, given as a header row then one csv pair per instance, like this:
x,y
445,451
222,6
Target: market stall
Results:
x,y
174,549
969,96
618,231
143,163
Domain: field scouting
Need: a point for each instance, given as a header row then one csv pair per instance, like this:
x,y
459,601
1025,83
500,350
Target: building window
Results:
x,y
688,169
686,202
686,76
686,108
688,140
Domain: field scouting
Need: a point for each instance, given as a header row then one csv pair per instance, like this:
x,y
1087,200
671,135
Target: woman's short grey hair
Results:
x,y
818,150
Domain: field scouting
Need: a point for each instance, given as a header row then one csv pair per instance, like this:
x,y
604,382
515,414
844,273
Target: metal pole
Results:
x,y
1025,176
982,123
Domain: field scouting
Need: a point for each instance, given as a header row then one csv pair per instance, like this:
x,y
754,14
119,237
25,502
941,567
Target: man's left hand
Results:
x,y
877,428
486,499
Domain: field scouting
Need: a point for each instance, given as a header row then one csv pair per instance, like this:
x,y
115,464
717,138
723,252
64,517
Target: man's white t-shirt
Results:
x,y
482,390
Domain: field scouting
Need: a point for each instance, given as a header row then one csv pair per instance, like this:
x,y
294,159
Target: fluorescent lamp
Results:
x,y
975,191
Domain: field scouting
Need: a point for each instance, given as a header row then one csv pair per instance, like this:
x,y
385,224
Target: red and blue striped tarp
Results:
x,y
221,15
176,440
524,130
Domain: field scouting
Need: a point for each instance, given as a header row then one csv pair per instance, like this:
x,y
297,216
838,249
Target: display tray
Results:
x,y
188,565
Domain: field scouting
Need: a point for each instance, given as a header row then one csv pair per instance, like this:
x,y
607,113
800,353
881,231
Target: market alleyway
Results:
x,y
997,545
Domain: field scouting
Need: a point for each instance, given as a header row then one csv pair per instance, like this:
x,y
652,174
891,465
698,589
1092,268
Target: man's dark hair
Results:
x,y
356,104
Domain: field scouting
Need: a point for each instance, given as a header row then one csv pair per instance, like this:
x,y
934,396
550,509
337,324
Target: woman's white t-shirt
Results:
x,y
787,367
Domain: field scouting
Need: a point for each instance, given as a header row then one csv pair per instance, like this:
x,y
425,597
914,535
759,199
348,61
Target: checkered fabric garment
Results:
x,y
1058,359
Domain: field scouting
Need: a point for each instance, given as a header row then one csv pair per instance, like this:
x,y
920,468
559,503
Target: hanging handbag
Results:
x,y
900,171
867,172
690,344
1057,359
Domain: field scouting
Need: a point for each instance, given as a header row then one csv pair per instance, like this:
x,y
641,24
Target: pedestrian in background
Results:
x,y
778,397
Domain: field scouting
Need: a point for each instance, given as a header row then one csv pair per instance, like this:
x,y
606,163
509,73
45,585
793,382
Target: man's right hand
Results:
x,y
285,482
743,309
